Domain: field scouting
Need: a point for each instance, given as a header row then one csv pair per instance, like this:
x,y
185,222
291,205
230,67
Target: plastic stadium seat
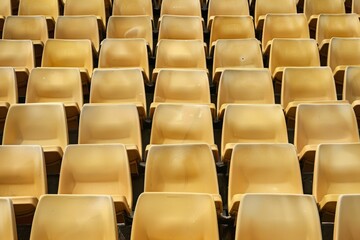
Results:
x,y
252,123
230,27
249,86
8,92
38,123
182,123
180,7
22,177
125,53
7,220
336,172
283,26
5,11
228,7
69,53
263,7
132,7
119,85
180,215
182,86
57,85
306,84
112,123
343,52
74,217
179,54
78,27
262,168
355,8
335,25
236,53
351,90
279,216
182,168
347,217
312,125
98,169
131,27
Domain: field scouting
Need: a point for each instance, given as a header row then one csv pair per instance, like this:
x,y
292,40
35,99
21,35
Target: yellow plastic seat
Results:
x,y
230,27
179,215
180,7
8,92
7,220
38,123
355,8
61,85
182,123
131,27
78,27
283,26
335,25
262,168
69,53
5,11
182,168
74,217
179,54
336,172
228,7
252,123
263,7
98,169
133,7
306,85
182,86
125,53
236,53
22,177
18,54
343,52
323,123
347,217
244,86
351,90
278,216
112,123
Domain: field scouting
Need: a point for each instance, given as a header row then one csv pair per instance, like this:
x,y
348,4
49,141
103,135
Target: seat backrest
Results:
x,y
8,85
17,53
7,220
355,8
228,7
132,7
6,8
180,7
343,52
264,215
351,88
263,7
48,8
193,216
316,7
74,217
86,7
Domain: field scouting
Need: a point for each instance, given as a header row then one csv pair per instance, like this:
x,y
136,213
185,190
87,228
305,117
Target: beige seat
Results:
x,y
347,217
182,123
262,168
78,27
131,27
5,11
125,53
120,85
228,7
38,123
283,25
280,216
230,27
249,86
8,92
180,7
23,178
336,172
180,215
74,217
355,8
98,169
182,86
305,84
7,220
179,54
182,168
343,52
313,124
133,7
112,123
69,53
236,53
57,85
351,90
252,123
